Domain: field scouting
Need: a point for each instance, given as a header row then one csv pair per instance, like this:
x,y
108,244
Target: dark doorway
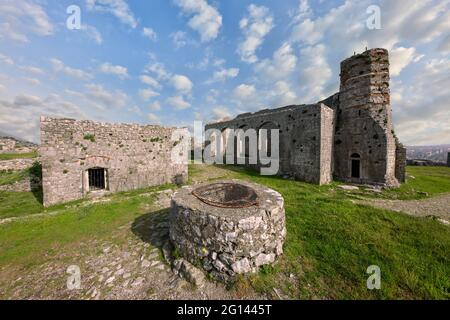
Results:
x,y
97,179
355,168
356,165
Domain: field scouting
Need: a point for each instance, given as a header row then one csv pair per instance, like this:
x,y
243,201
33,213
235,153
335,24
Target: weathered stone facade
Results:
x,y
228,241
119,157
12,145
348,136
16,164
7,145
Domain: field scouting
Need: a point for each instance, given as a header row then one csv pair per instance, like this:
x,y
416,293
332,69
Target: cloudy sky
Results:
x,y
172,62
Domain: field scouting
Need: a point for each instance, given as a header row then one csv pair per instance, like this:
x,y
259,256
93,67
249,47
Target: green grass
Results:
x,y
10,177
421,182
330,241
15,204
11,156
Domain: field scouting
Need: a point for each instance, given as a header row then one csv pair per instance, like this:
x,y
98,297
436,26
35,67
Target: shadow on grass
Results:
x,y
35,174
152,227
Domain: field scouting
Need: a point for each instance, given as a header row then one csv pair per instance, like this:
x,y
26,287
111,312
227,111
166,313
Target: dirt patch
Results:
x,y
438,206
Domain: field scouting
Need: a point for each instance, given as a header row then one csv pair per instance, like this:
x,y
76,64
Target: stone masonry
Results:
x,y
228,241
349,136
125,157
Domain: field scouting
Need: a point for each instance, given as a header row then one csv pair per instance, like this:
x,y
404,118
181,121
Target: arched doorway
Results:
x,y
355,160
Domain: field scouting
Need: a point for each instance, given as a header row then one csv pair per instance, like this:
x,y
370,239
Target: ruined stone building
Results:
x,y
84,157
348,136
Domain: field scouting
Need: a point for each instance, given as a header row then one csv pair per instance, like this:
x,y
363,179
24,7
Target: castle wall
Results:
x,y
133,157
400,163
364,120
306,133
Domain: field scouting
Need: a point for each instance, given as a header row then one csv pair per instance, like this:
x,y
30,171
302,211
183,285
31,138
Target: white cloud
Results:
x,y
6,59
178,102
92,33
182,83
149,33
153,118
147,94
281,65
206,20
20,116
150,81
180,39
224,74
421,115
315,73
21,18
32,81
400,57
117,70
59,66
27,100
33,70
118,8
155,106
106,97
159,69
244,92
255,27
283,95
221,113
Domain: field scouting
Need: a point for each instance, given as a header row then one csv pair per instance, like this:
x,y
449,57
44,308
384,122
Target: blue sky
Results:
x,y
171,62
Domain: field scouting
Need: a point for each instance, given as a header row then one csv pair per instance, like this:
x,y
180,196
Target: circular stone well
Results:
x,y
228,227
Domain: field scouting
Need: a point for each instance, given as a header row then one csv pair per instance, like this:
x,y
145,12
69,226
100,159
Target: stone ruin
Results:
x,y
227,228
81,158
348,137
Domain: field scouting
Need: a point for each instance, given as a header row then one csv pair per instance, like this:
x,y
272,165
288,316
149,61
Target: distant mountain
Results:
x,y
435,153
19,142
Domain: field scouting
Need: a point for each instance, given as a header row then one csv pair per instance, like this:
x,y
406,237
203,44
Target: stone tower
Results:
x,y
365,144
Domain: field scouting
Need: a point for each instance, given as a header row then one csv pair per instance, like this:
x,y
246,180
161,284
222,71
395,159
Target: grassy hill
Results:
x,y
330,244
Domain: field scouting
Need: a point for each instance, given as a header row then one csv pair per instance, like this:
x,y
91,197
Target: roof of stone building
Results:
x,y
266,112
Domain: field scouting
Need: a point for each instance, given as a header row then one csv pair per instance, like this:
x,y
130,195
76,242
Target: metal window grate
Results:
x,y
97,179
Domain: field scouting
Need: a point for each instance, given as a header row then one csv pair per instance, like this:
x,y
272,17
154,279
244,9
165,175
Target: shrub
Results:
x,y
89,137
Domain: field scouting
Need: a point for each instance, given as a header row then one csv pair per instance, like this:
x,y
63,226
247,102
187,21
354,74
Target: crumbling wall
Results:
x,y
134,157
7,145
364,121
305,138
321,140
400,163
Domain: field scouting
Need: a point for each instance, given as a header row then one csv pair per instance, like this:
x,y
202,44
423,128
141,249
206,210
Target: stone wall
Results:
x,y
364,120
133,157
321,140
400,163
7,145
306,133
11,145
16,164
